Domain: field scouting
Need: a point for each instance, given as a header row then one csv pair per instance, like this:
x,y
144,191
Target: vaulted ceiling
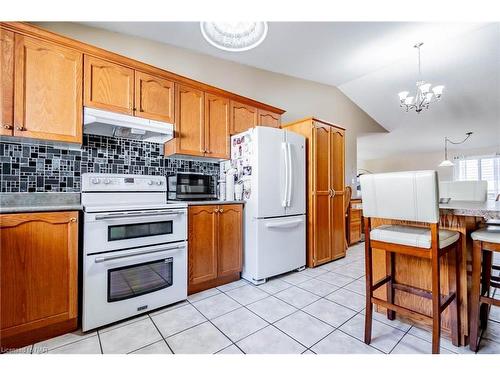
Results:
x,y
371,62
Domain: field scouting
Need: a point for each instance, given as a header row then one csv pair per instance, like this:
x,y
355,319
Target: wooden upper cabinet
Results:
x,y
230,239
337,160
243,117
39,276
203,238
217,123
108,86
7,82
154,97
47,91
267,118
190,121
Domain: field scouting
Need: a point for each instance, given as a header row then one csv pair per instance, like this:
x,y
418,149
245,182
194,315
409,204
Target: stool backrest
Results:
x,y
411,196
476,191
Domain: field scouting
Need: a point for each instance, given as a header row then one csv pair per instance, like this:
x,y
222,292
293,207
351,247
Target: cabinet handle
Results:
x,y
216,210
8,127
20,128
73,220
221,210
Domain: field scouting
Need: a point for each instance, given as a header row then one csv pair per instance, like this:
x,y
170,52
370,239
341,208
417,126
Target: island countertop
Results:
x,y
488,210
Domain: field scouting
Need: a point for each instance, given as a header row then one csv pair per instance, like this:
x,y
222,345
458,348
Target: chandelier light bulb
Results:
x,y
403,95
438,90
425,88
428,97
409,100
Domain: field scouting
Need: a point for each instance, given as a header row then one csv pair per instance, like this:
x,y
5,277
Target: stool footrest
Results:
x,y
403,310
413,290
381,282
489,300
445,301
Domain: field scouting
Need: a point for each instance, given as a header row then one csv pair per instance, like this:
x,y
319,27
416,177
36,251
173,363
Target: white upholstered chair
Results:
x,y
475,191
486,243
410,198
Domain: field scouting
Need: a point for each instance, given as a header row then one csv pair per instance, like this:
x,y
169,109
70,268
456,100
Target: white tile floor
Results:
x,y
318,310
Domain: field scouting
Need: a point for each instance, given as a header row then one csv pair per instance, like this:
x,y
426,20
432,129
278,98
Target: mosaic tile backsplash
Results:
x,y
35,167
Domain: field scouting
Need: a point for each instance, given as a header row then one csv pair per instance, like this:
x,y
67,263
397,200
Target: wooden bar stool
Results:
x,y
411,197
486,241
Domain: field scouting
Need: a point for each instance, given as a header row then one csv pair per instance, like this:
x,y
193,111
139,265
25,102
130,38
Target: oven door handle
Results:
x,y
113,257
138,214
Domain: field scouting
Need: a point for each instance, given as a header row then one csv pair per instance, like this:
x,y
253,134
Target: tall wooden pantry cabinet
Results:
x,y
325,144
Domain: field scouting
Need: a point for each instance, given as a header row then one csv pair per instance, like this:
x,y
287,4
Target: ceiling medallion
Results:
x,y
234,36
424,96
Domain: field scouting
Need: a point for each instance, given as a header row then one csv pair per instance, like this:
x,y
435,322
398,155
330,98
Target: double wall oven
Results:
x,y
135,247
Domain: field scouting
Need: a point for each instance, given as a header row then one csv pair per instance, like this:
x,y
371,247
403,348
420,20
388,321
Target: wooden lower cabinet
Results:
x,y
39,276
355,222
215,238
325,189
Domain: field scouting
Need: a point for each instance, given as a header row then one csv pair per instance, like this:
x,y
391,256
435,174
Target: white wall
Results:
x,y
420,161
300,98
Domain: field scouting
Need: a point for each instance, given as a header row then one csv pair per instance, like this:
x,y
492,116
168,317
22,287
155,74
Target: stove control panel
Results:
x,y
122,182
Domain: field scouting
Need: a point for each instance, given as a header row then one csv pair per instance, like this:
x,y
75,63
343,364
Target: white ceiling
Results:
x,y
371,62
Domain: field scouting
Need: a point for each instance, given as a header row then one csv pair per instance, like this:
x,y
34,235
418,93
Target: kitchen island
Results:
x,y
461,216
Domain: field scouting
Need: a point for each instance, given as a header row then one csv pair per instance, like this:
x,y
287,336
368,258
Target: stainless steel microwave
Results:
x,y
191,186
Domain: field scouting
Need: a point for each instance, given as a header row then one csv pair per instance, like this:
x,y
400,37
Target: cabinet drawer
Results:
x,y
356,215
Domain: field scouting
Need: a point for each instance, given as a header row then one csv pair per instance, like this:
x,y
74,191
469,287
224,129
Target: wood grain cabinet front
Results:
x,y
217,123
267,118
108,86
215,240
7,82
326,192
39,276
47,90
243,117
154,97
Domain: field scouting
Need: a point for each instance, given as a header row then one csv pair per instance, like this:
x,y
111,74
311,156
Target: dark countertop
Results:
x,y
39,202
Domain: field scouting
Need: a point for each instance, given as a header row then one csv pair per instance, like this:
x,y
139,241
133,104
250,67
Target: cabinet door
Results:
x,y
190,121
108,86
48,91
230,239
217,137
322,214
243,117
338,187
7,82
38,270
154,97
270,119
202,240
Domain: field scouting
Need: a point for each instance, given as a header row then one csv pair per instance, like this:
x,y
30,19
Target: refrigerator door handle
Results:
x,y
285,224
285,157
289,174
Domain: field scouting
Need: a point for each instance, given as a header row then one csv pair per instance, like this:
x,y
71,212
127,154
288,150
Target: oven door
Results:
x,y
128,229
120,284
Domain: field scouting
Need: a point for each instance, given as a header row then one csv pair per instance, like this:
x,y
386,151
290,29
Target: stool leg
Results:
x,y
485,286
453,282
475,294
369,284
436,304
389,265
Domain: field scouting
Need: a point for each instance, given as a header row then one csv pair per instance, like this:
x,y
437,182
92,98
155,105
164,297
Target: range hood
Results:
x,y
111,124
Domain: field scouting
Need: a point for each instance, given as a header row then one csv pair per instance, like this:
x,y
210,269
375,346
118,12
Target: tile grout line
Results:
x,y
161,334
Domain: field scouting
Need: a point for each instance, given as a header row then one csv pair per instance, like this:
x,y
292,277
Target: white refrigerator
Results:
x,y
271,166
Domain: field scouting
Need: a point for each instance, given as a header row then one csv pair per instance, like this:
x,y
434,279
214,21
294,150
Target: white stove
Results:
x,y
134,247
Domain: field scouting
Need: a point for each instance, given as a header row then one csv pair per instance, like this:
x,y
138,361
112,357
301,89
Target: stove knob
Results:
x,y
159,182
150,182
95,181
107,181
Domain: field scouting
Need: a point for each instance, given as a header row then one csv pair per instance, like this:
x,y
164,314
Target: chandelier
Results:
x,y
424,96
234,36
